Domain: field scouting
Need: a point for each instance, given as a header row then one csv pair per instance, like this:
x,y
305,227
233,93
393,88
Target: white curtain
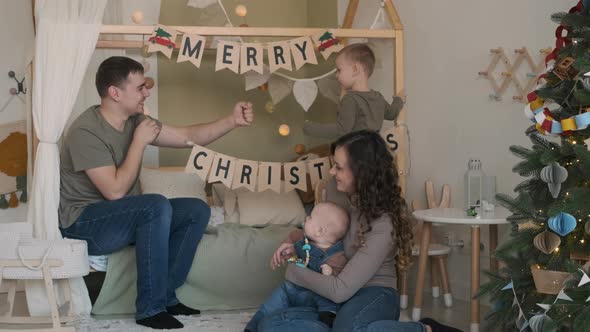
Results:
x,y
67,31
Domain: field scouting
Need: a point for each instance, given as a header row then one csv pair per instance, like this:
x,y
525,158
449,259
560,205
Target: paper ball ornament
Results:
x,y
546,242
284,130
562,224
554,174
137,17
146,66
537,322
300,149
269,107
241,10
149,82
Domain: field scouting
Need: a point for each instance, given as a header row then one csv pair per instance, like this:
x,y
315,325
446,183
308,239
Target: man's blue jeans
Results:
x,y
371,309
290,295
165,233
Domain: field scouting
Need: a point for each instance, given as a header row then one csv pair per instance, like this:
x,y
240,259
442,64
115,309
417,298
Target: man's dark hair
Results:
x,y
114,71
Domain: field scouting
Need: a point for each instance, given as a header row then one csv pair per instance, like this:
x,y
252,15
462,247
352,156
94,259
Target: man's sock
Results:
x,y
182,310
327,317
438,327
161,321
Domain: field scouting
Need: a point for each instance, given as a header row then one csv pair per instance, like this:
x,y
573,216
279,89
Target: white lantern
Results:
x,y
473,184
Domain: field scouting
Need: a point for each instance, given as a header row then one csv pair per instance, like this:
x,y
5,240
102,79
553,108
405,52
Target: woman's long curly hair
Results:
x,y
376,189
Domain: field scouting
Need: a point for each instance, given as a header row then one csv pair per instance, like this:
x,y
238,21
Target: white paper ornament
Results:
x,y
330,88
305,93
200,3
554,174
279,88
254,79
137,17
537,322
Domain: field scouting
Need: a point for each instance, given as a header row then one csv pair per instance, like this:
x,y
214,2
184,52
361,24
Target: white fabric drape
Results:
x,y
67,31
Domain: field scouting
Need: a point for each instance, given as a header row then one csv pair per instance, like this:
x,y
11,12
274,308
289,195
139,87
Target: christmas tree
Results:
x,y
543,282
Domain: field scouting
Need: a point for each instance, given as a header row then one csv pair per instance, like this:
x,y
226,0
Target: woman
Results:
x,y
364,181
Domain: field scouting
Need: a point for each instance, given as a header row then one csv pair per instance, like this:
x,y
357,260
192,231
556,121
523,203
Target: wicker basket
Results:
x,y
548,281
73,254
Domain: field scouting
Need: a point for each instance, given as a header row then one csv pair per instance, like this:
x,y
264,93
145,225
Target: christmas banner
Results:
x,y
245,57
255,175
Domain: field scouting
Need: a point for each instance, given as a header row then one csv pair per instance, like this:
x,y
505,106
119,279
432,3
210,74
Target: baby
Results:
x,y
318,247
361,107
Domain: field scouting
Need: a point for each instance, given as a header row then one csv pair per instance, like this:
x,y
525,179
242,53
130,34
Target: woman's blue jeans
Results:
x,y
165,233
371,309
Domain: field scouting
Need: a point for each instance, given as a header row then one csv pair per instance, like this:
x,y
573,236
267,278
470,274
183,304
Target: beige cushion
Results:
x,y
268,207
172,184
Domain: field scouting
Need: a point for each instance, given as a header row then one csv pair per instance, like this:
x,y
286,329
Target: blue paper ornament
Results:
x,y
562,224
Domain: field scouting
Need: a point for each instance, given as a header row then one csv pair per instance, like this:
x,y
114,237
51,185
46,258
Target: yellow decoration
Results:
x,y
269,107
536,104
568,124
137,17
284,130
241,10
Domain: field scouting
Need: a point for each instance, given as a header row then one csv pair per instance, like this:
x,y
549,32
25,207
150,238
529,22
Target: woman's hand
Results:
x,y
284,251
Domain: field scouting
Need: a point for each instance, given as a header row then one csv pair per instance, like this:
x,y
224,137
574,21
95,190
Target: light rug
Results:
x,y
210,321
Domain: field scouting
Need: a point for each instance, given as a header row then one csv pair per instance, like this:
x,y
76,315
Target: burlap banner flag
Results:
x,y
269,176
327,44
303,52
223,169
295,176
191,49
279,56
200,162
228,56
318,169
246,175
254,175
163,39
251,58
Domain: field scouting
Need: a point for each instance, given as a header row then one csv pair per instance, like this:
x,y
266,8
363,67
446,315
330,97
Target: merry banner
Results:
x,y
244,57
255,175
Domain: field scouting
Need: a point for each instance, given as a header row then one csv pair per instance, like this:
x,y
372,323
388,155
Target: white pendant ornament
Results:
x,y
200,3
586,82
305,93
330,88
137,17
254,79
554,175
279,88
537,322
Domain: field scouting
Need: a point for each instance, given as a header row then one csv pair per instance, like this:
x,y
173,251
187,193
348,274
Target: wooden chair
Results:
x,y
437,252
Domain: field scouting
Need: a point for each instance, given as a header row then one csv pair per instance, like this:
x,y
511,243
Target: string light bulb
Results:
x,y
284,130
241,10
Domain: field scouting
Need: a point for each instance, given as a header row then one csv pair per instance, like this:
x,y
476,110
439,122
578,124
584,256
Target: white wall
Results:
x,y
448,111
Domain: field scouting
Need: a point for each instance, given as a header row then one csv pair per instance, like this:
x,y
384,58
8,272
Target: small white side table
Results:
x,y
458,217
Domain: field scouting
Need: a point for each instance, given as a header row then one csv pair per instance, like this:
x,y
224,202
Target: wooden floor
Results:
x,y
456,316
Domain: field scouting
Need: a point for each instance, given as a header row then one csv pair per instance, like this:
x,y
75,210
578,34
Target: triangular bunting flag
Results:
x,y
279,88
584,279
163,39
330,88
562,295
545,307
254,79
509,286
305,93
588,299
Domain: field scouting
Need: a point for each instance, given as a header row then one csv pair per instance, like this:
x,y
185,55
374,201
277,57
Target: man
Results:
x,y
101,200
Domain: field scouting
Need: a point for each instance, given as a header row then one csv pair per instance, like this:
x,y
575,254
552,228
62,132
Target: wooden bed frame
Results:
x,y
396,34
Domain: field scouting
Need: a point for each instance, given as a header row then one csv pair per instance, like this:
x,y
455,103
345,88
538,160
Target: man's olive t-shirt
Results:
x,y
90,143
